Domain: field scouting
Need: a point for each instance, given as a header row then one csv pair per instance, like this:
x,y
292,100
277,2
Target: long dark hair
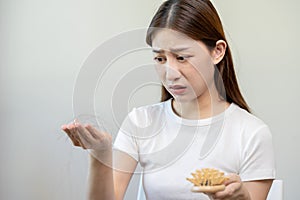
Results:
x,y
199,20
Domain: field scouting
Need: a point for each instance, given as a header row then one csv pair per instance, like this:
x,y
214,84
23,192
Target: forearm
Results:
x,y
245,195
101,184
258,190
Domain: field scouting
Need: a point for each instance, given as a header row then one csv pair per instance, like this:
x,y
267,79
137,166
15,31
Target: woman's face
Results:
x,y
184,65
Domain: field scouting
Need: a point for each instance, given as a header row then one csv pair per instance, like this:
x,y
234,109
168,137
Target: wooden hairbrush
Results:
x,y
208,180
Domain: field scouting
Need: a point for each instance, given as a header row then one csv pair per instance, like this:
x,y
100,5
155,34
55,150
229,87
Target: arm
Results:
x,y
106,181
258,189
248,190
257,154
124,167
100,180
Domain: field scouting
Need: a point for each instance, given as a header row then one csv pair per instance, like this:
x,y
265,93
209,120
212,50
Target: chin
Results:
x,y
184,98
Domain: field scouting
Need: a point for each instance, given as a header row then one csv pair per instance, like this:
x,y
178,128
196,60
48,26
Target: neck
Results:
x,y
206,105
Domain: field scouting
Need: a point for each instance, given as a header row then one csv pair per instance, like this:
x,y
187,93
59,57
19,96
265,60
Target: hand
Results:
x,y
88,137
234,190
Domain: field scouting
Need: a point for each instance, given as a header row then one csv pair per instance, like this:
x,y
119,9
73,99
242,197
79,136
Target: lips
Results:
x,y
177,89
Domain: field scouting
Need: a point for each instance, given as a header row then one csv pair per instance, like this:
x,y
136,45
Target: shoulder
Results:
x,y
244,118
144,115
246,124
144,111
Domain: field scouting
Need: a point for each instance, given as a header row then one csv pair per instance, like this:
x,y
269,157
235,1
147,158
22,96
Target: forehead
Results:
x,y
167,39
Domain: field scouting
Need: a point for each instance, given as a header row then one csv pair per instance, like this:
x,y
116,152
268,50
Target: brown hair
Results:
x,y
199,20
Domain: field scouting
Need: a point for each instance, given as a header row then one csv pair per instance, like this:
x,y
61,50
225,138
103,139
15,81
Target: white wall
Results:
x,y
44,44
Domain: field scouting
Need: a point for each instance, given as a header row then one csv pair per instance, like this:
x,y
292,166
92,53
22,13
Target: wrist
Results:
x,y
101,157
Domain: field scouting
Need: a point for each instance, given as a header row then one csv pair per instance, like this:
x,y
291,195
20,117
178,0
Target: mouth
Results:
x,y
177,89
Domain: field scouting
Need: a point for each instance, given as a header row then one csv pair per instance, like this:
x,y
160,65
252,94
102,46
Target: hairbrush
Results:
x,y
208,180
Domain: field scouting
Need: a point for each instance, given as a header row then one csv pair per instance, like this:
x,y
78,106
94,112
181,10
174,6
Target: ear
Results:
x,y
219,51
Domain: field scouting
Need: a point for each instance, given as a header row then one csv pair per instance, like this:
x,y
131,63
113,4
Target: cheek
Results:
x,y
205,68
161,71
201,77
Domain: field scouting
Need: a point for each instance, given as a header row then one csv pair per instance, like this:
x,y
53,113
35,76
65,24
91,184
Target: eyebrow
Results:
x,y
173,50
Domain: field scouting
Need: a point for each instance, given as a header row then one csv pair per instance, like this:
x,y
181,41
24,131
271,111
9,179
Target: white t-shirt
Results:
x,y
169,148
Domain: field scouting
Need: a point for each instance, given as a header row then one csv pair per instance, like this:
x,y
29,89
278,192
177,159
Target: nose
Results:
x,y
172,71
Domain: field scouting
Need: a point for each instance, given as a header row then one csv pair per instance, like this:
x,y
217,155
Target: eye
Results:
x,y
182,58
160,59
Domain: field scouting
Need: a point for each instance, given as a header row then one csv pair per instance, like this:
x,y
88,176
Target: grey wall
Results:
x,y
45,43
43,46
264,37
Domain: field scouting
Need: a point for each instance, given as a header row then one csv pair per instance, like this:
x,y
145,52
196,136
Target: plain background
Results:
x,y
43,46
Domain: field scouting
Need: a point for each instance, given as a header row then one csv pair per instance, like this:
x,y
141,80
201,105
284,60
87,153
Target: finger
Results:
x,y
85,136
70,135
81,144
74,134
94,132
65,128
228,192
78,138
232,178
232,184
72,130
100,135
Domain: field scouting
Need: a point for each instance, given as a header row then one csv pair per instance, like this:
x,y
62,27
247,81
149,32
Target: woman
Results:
x,y
203,120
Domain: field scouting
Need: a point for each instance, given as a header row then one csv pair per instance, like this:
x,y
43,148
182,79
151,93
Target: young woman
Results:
x,y
202,122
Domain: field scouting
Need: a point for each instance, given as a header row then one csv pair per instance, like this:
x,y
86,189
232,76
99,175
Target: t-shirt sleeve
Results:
x,y
258,161
126,140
